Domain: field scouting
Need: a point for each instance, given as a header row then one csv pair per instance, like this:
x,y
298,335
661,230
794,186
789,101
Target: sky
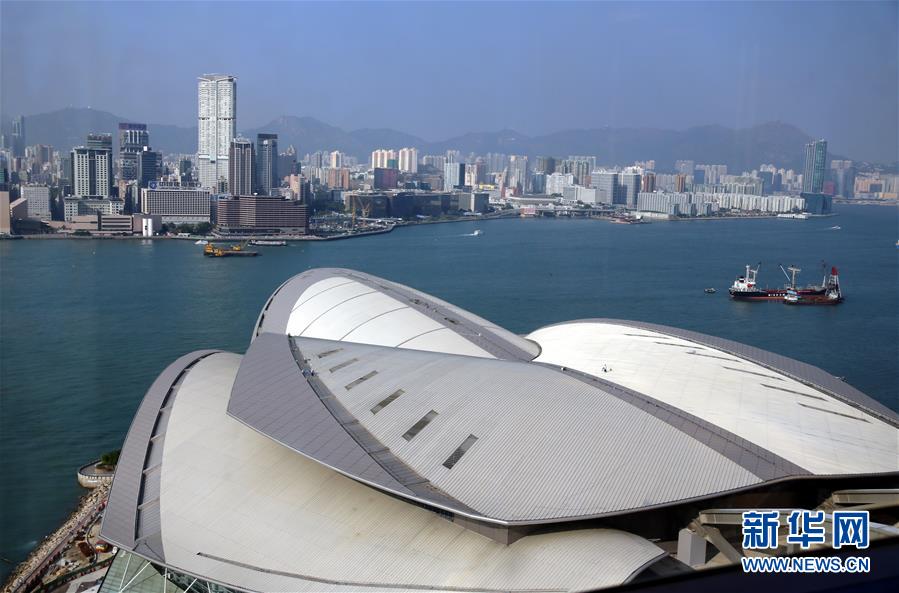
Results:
x,y
440,69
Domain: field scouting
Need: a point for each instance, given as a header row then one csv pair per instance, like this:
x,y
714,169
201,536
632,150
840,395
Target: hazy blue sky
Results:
x,y
441,69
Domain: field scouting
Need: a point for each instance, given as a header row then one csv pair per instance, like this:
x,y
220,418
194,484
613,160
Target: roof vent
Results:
x,y
418,426
386,401
458,453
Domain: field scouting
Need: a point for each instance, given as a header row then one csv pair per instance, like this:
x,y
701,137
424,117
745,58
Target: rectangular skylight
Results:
x,y
458,453
361,379
343,364
418,426
386,401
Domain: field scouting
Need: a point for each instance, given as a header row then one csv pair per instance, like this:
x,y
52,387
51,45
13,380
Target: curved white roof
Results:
x,y
292,467
236,505
792,418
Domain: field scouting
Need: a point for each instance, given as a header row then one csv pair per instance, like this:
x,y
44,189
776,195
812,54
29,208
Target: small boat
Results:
x,y
477,233
710,290
268,243
202,242
212,250
835,228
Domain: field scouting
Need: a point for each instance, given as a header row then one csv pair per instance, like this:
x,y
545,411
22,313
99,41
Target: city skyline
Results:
x,y
518,84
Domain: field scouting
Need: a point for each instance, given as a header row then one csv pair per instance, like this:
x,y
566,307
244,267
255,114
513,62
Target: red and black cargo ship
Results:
x,y
745,287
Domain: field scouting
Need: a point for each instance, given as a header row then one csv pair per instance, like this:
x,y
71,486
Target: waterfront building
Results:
x,y
408,160
38,197
216,126
267,179
241,167
557,182
577,193
78,206
606,184
261,215
363,427
842,173
176,204
5,216
91,171
815,162
474,202
453,175
629,183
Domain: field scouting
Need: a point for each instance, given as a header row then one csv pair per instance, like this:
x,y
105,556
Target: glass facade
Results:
x,y
134,574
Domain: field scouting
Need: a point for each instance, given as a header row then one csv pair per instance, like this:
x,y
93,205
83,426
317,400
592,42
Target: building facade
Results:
x,y
241,168
91,171
263,215
38,197
176,204
216,126
815,162
267,179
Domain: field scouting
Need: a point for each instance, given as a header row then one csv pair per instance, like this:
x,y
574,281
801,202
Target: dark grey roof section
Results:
x,y
272,396
276,394
131,520
277,310
758,460
800,371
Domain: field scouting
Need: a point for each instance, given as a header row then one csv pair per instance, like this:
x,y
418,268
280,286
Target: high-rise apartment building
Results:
x,y
408,160
267,179
132,140
91,171
217,125
241,167
381,159
336,159
813,172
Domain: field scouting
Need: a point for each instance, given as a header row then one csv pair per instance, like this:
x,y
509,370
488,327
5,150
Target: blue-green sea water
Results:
x,y
85,326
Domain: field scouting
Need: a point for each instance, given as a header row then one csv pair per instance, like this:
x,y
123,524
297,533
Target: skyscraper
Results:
x,y
132,140
843,175
91,171
630,187
241,167
100,141
606,184
813,172
267,178
18,142
217,123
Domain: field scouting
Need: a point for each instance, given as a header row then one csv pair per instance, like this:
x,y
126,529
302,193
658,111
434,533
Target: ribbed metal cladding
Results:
x,y
136,481
271,395
801,371
550,446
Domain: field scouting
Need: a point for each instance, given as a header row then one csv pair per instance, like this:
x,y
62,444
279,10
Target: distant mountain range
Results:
x,y
740,149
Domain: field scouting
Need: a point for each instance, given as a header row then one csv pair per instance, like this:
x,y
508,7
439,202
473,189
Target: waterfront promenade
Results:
x,y
30,573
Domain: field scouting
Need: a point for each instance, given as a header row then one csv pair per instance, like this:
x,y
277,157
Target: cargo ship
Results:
x,y
745,287
832,293
213,250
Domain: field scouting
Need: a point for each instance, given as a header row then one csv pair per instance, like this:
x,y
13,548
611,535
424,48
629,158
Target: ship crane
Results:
x,y
791,277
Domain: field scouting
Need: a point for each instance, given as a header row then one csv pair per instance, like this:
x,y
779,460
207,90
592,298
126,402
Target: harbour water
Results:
x,y
85,326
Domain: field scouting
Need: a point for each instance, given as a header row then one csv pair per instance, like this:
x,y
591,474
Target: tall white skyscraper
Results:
x,y
217,112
